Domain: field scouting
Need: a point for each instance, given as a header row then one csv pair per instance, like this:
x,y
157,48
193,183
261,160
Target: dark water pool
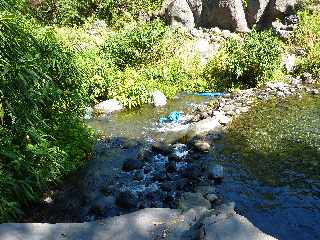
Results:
x,y
272,160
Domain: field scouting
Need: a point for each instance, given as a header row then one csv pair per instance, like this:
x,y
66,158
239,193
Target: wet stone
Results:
x,y
161,148
171,167
201,146
127,199
192,172
192,200
132,164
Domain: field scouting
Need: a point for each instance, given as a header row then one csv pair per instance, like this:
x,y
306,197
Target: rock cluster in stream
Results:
x,y
178,175
184,174
231,105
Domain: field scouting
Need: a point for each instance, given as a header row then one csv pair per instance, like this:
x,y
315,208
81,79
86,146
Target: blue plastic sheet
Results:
x,y
210,94
172,117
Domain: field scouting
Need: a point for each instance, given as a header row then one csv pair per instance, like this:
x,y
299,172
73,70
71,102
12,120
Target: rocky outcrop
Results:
x,y
146,224
256,10
226,14
264,12
179,14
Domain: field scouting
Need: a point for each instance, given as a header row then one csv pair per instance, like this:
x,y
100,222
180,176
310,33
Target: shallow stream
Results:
x,y
271,157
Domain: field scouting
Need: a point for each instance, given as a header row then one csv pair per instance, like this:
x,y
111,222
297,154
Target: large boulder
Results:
x,y
196,8
264,12
158,99
226,224
255,10
226,14
107,107
179,14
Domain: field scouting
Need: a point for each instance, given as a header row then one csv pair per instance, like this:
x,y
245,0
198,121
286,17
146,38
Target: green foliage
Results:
x,y
77,11
41,136
307,37
137,45
245,62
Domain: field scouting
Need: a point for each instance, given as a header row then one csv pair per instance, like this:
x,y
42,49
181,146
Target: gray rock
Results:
x,y
179,14
264,12
205,50
226,14
280,94
226,34
289,62
226,224
132,164
280,30
145,224
205,126
158,99
192,200
255,11
107,107
196,8
224,120
201,146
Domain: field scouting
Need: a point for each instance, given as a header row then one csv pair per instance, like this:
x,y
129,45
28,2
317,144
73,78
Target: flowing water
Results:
x,y
144,123
271,157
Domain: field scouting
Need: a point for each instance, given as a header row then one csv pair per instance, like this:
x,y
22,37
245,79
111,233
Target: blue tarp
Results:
x,y
172,117
210,94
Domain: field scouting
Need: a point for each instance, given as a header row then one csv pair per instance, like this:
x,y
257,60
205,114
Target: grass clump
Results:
x,y
307,37
246,62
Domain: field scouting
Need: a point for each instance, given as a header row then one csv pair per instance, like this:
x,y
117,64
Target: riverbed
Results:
x,y
271,157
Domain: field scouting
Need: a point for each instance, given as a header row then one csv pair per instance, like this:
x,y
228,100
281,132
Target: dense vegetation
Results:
x,y
54,63
246,62
307,38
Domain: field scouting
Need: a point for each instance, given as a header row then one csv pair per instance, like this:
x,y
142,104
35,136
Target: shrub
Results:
x,y
245,62
69,12
307,37
41,96
134,46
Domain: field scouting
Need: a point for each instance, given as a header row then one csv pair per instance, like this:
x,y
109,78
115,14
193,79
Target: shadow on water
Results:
x,y
272,158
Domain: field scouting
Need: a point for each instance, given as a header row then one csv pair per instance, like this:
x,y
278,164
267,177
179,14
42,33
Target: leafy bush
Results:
x,y
41,96
245,62
137,45
307,37
77,11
